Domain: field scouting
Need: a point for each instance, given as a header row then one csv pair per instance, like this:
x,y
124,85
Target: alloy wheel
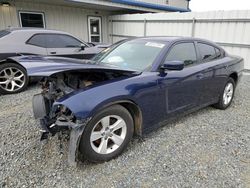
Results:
x,y
228,93
12,79
108,134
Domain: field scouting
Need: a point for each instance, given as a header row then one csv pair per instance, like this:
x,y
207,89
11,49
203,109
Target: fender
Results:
x,y
84,104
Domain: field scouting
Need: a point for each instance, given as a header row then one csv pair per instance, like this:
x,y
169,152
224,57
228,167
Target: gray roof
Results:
x,y
33,29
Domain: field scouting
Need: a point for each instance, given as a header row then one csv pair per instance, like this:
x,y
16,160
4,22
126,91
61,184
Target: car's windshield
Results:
x,y
136,54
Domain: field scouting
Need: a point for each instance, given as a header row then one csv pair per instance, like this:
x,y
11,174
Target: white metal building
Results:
x,y
86,19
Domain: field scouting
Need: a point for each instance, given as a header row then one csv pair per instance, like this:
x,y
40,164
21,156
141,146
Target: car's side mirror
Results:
x,y
172,65
83,46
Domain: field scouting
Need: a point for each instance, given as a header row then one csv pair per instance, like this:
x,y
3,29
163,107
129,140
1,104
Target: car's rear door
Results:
x,y
64,45
210,62
183,88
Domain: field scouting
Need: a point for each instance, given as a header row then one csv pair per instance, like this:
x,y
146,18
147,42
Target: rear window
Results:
x,y
208,52
38,40
4,33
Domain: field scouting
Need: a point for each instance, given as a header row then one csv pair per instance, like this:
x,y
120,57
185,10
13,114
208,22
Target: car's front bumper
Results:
x,y
49,125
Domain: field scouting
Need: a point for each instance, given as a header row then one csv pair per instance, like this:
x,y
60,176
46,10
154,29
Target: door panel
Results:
x,y
64,45
208,91
212,81
66,52
183,88
210,58
31,49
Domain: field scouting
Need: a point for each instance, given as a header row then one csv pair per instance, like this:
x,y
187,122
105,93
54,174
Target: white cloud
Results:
x,y
206,5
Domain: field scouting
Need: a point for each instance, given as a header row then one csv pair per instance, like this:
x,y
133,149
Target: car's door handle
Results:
x,y
52,52
200,76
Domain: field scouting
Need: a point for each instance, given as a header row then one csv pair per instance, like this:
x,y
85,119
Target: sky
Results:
x,y
207,5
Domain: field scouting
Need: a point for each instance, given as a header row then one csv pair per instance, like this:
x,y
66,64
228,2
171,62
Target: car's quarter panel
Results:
x,y
143,90
215,75
14,44
226,67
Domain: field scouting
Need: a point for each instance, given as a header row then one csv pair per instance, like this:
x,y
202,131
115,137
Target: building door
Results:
x,y
95,29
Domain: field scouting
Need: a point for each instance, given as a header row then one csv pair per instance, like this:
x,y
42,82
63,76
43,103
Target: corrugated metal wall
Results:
x,y
65,18
231,29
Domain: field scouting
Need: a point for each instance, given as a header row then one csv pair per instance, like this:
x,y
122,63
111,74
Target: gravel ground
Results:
x,y
209,148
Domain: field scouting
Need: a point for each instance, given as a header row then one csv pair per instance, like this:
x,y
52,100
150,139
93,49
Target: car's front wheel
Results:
x,y
13,78
107,135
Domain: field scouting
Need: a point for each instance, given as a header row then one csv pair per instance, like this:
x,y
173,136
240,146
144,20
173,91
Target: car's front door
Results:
x,y
183,88
65,46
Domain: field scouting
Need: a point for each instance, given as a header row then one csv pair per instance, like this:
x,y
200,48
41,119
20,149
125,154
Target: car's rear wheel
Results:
x,y
107,135
13,78
227,95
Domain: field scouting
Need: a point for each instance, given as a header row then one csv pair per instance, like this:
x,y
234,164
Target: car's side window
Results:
x,y
218,53
62,41
183,52
37,40
208,52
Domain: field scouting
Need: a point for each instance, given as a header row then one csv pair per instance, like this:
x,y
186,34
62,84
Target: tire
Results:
x,y
227,95
92,150
13,78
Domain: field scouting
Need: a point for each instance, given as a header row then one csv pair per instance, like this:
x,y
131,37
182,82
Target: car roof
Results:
x,y
31,29
173,39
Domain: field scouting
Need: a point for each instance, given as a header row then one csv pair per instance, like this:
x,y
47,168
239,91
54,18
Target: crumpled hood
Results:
x,y
46,65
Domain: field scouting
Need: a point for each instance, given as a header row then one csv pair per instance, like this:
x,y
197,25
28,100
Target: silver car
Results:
x,y
33,41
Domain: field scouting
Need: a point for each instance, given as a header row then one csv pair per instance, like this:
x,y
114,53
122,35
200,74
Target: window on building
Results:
x,y
183,52
32,19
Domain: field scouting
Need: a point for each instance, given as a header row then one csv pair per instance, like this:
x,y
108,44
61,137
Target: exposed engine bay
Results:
x,y
60,84
63,83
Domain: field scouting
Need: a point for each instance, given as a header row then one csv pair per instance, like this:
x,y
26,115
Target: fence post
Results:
x,y
145,27
112,32
193,27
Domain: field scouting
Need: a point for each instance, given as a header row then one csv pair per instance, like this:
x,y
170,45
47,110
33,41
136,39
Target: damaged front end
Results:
x,y
54,116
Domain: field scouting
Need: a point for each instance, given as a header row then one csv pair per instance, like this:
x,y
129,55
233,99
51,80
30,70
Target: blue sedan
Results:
x,y
130,89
